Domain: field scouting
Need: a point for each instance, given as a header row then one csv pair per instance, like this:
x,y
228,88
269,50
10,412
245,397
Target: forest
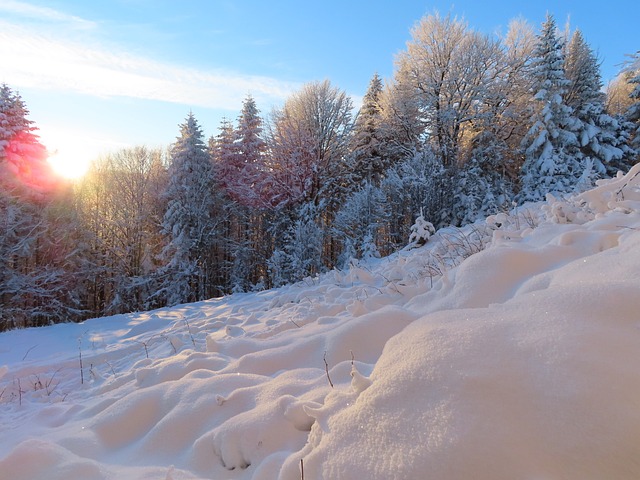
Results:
x,y
468,126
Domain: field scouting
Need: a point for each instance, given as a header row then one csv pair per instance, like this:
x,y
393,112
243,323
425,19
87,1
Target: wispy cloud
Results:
x,y
33,59
36,12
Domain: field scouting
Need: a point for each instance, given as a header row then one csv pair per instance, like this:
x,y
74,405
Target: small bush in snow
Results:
x,y
421,231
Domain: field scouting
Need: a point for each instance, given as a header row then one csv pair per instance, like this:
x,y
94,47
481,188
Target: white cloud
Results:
x,y
42,13
42,60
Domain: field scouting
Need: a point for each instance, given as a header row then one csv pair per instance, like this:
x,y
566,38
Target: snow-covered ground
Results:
x,y
521,361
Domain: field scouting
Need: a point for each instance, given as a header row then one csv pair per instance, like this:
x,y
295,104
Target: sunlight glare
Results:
x,y
70,163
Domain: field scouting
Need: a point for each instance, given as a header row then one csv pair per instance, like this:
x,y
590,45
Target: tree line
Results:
x,y
469,125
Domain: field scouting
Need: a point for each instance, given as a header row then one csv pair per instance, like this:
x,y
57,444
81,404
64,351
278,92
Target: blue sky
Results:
x,y
100,75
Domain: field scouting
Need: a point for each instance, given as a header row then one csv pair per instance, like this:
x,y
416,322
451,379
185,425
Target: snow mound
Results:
x,y
507,349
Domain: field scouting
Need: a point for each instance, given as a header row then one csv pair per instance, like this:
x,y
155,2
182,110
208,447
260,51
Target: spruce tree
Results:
x,y
37,250
190,219
367,137
551,149
22,156
601,136
633,113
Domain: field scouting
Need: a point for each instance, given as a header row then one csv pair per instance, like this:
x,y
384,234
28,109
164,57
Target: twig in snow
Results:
x,y
80,357
190,334
619,192
25,355
292,321
144,344
326,368
301,469
19,392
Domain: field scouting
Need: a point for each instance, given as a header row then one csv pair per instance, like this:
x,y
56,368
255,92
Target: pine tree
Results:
x,y
551,149
22,156
190,219
367,138
601,136
37,261
358,222
240,155
250,145
481,187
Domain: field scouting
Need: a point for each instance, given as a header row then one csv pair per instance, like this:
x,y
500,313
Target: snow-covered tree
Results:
x,y
482,186
358,222
223,152
300,253
418,183
633,113
448,70
37,261
366,147
601,136
239,155
311,136
553,162
122,206
421,231
190,220
22,156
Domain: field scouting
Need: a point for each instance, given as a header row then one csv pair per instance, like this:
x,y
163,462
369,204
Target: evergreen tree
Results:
x,y
601,136
482,187
359,221
300,254
190,219
633,113
239,156
551,149
22,156
37,261
367,138
224,155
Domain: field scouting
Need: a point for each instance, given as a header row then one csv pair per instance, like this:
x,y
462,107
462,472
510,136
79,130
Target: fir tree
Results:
x,y
22,156
551,149
367,137
358,222
37,249
601,136
633,113
190,219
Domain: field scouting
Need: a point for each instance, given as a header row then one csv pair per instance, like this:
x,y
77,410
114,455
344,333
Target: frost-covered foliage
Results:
x,y
481,186
448,72
367,140
553,162
421,231
601,137
190,221
38,268
300,254
420,181
22,156
633,113
358,222
239,156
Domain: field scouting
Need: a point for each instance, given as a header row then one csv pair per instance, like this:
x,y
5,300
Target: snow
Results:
x,y
516,361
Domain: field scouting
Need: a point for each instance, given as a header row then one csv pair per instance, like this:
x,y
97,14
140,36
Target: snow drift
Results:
x,y
508,349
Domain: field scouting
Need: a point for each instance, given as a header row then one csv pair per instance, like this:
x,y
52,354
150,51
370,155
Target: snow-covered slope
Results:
x,y
450,361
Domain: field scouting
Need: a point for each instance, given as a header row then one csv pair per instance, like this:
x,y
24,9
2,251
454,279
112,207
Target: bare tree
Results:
x,y
448,70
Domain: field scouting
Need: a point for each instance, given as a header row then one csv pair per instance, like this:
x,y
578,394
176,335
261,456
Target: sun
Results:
x,y
71,163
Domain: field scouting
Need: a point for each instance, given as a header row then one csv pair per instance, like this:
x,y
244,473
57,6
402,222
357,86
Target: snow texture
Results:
x,y
518,361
